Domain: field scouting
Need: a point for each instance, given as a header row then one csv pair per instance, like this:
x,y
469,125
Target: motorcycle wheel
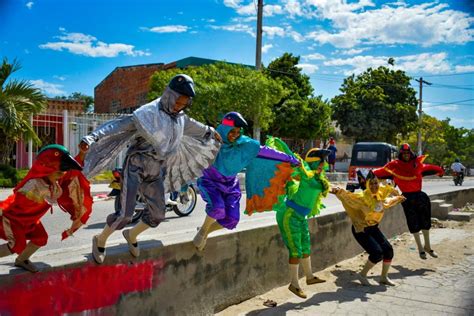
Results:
x,y
184,209
137,215
139,207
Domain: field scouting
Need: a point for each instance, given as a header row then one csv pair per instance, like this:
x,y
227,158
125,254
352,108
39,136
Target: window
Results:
x,y
367,156
115,106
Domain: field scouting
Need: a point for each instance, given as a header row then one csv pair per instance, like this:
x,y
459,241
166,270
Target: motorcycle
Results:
x,y
458,178
182,203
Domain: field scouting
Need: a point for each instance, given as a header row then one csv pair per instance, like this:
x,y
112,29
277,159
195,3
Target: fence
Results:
x,y
65,128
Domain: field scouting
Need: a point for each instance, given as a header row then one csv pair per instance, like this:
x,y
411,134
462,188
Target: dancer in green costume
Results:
x,y
303,200
295,193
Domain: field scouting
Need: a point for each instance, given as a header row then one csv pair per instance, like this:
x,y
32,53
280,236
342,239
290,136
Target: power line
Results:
x,y
460,101
447,75
450,87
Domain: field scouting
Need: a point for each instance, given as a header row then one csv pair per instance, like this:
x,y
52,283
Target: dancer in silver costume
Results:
x,y
166,149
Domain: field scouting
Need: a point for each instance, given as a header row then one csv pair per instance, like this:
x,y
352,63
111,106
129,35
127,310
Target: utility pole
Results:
x,y
258,60
420,113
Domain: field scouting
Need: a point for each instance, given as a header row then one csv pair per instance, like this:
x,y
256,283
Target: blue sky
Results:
x,y
70,46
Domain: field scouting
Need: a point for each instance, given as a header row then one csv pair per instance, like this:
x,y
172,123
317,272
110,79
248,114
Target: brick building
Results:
x,y
58,105
126,88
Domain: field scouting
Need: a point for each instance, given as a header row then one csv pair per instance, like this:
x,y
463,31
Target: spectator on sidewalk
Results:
x,y
332,155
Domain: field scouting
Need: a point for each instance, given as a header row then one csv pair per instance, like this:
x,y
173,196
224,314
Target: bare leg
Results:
x,y
23,260
131,235
427,248
384,279
4,251
310,278
421,250
363,274
208,226
294,285
98,244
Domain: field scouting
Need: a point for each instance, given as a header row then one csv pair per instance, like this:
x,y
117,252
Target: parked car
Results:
x,y
365,157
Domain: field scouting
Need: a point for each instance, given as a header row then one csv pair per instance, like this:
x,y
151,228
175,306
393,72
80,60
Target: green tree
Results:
x,y
18,100
298,114
223,87
443,142
88,100
376,105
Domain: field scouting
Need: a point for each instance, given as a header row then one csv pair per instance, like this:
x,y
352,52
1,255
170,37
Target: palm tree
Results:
x,y
18,100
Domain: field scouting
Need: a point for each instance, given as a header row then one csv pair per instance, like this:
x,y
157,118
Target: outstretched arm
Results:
x,y
270,153
123,123
429,170
382,173
197,129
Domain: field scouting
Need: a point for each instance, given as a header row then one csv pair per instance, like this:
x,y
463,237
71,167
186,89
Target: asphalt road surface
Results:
x,y
183,228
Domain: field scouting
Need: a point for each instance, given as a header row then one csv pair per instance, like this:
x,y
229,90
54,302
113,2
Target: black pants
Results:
x,y
374,242
417,209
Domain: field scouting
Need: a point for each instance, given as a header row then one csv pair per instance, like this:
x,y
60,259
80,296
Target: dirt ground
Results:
x,y
453,241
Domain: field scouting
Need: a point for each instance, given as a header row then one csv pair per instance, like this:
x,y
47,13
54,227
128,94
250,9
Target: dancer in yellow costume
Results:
x,y
366,210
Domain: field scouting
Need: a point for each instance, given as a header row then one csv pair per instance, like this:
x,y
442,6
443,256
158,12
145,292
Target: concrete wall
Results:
x,y
177,280
456,198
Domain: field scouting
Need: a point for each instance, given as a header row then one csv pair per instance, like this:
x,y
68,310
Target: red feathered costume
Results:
x,y
408,175
21,212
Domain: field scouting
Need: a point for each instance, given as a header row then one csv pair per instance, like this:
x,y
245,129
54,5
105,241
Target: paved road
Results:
x,y
174,228
184,227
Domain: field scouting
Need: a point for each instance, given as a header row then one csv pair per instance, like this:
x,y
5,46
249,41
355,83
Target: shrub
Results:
x,y
8,176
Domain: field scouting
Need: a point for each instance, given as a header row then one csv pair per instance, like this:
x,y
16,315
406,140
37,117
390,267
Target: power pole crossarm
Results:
x,y
420,113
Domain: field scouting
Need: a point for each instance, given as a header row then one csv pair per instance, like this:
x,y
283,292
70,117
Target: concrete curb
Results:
x,y
176,279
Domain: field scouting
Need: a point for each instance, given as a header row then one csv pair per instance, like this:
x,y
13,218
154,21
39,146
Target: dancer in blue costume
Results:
x,y
219,184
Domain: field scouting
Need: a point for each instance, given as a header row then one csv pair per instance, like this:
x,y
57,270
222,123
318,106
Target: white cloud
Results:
x,y
266,48
48,88
270,10
251,8
293,7
244,20
62,78
232,3
353,51
235,28
88,45
167,29
421,63
308,68
274,31
315,56
425,24
464,68
29,5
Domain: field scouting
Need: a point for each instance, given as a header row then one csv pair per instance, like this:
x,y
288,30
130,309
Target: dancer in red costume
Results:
x,y
407,172
54,177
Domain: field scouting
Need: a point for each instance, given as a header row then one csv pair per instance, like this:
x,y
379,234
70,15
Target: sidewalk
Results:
x,y
426,287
